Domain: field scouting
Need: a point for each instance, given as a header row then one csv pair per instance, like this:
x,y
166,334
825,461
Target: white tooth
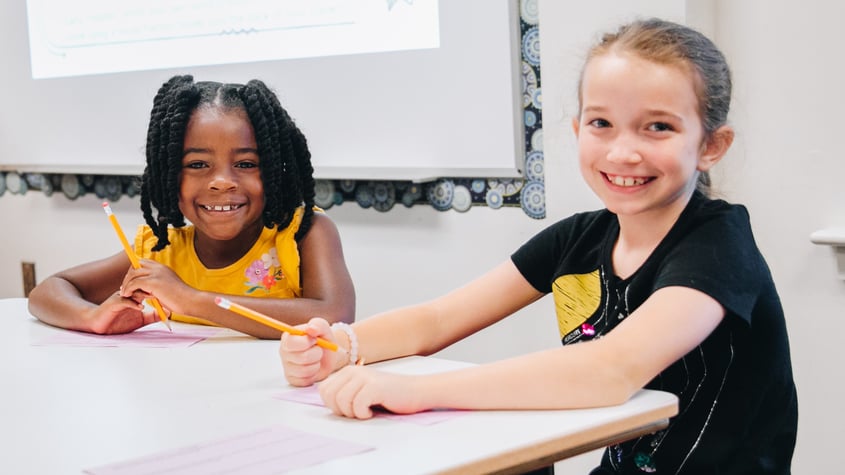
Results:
x,y
626,181
218,208
227,208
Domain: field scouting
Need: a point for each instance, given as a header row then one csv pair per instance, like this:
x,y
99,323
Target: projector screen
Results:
x,y
382,89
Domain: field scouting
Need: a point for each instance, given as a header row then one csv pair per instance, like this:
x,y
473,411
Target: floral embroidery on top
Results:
x,y
264,273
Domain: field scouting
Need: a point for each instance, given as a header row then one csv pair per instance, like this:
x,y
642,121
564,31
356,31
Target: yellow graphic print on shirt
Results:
x,y
577,297
264,273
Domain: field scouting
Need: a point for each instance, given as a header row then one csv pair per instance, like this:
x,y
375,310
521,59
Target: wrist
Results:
x,y
352,355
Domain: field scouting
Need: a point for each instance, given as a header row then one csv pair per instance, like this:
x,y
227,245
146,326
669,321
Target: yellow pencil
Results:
x,y
265,320
134,260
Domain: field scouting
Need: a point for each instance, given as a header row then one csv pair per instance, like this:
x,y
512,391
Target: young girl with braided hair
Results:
x,y
664,288
228,198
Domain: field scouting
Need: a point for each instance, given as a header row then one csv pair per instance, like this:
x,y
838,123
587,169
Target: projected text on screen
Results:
x,y
104,36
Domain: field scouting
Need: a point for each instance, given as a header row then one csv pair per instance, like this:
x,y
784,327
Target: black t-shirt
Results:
x,y
738,407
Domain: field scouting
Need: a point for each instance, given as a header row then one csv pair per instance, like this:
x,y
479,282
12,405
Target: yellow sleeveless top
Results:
x,y
269,269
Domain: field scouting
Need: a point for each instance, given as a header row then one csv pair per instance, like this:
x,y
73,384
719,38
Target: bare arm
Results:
x,y
327,289
85,298
602,372
429,327
419,329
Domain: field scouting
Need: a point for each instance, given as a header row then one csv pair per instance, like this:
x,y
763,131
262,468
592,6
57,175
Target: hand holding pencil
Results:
x,y
133,258
265,320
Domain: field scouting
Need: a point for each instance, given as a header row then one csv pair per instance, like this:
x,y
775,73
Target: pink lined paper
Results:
x,y
150,336
271,450
311,395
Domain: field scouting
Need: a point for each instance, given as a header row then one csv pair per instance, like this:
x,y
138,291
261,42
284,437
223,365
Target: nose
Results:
x,y
624,149
223,180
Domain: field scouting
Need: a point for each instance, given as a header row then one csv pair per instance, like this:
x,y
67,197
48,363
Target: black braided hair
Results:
x,y
284,159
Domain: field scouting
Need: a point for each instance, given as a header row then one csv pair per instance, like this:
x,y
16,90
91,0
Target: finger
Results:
x,y
124,288
301,368
129,287
140,296
145,265
346,395
123,302
127,278
329,390
294,376
300,376
319,327
362,405
150,315
310,359
327,394
291,344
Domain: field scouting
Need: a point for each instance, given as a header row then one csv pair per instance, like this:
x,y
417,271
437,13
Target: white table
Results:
x,y
65,409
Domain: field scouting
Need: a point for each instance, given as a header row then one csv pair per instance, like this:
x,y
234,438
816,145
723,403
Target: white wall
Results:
x,y
787,167
784,167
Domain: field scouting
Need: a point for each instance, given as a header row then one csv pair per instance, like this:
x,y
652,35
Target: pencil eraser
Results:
x,y
221,302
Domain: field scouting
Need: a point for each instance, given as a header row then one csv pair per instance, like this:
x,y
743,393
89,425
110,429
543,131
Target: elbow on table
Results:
x,y
616,386
620,393
37,303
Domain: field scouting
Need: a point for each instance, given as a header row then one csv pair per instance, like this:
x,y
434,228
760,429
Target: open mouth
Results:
x,y
625,181
227,207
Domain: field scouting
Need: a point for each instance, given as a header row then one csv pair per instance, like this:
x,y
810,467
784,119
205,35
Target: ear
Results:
x,y
715,148
576,126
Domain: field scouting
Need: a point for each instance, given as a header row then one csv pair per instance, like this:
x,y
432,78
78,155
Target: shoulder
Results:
x,y
581,221
574,242
713,250
321,227
722,227
322,232
717,226
587,225
145,239
709,211
319,218
320,223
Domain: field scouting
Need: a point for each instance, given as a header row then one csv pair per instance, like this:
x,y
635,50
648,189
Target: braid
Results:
x,y
171,111
269,138
286,169
306,179
285,162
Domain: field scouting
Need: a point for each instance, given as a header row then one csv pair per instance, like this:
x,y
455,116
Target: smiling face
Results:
x,y
640,135
221,191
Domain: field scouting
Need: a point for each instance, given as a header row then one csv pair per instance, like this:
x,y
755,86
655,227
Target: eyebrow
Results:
x,y
208,150
594,109
648,113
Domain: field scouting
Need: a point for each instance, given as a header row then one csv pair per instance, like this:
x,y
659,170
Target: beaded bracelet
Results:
x,y
353,340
